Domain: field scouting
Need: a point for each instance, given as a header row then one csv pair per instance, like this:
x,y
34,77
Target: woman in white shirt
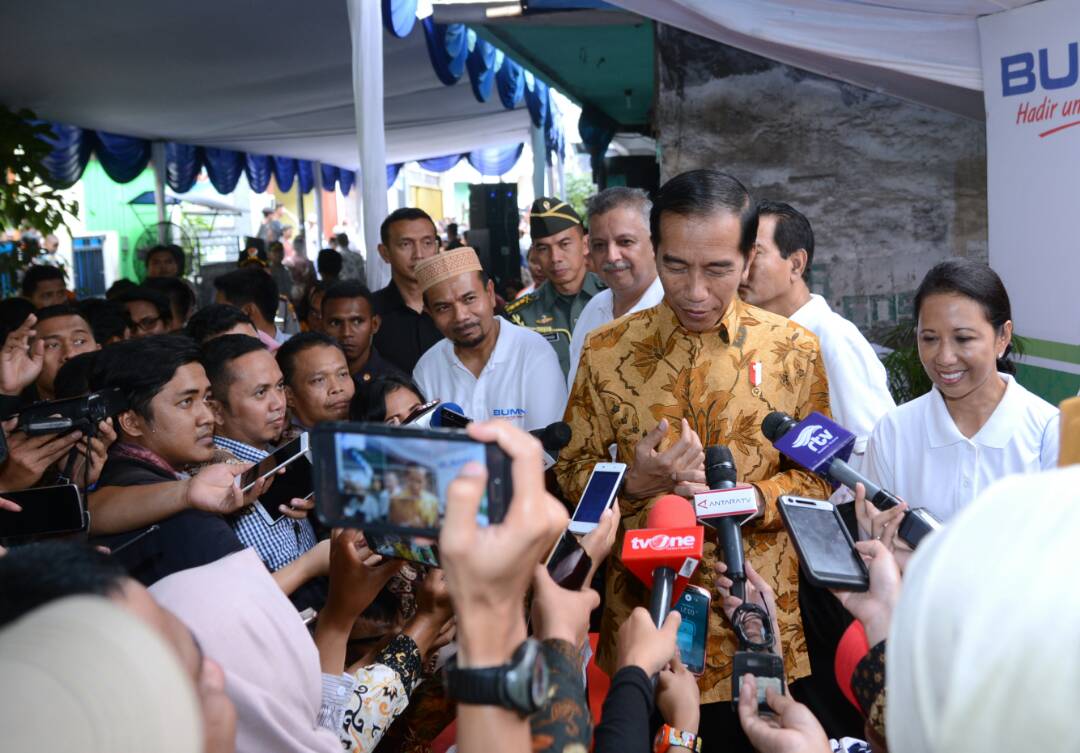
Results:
x,y
978,423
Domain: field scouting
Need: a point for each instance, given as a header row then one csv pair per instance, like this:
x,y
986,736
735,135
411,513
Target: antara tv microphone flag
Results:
x,y
822,446
725,507
664,555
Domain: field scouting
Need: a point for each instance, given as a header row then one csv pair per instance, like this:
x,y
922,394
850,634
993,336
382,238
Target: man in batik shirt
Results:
x,y
700,369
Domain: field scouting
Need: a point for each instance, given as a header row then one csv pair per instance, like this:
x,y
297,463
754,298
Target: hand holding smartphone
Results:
x,y
825,548
600,494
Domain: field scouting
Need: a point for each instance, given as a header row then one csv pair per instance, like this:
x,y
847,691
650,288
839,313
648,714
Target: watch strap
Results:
x,y
476,685
669,736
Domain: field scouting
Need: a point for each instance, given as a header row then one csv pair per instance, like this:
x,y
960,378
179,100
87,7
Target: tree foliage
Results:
x,y
25,199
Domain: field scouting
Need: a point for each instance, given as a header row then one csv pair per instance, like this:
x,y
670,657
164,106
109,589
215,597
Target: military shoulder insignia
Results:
x,y
545,319
525,300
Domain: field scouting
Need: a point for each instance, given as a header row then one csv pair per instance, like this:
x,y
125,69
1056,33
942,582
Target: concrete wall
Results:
x,y
891,188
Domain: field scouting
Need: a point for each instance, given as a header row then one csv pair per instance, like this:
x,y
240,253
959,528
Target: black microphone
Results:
x,y
553,438
720,474
777,428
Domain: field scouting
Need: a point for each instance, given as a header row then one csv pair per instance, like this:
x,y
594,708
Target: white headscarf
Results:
x,y
984,650
82,674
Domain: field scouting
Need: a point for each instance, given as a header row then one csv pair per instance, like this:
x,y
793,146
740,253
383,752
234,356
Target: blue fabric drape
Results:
x,y
536,99
448,48
391,174
257,168
305,174
183,163
329,177
122,157
399,16
284,172
69,155
481,66
510,82
495,160
346,179
440,164
223,167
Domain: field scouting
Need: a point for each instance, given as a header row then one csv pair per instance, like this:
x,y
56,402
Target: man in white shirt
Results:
x,y
491,367
621,252
858,385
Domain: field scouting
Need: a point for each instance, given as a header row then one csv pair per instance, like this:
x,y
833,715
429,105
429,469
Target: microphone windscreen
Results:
x,y
719,465
672,511
556,436
776,425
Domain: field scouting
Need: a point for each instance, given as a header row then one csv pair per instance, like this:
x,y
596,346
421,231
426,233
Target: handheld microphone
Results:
x,y
822,447
664,555
720,475
553,438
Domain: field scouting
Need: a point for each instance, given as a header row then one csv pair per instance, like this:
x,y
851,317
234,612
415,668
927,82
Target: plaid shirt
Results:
x,y
277,544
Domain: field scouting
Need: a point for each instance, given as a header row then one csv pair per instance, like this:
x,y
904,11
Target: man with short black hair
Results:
x,y
165,261
168,427
353,266
318,385
255,293
107,318
553,309
408,236
66,333
148,311
43,285
181,299
348,317
249,406
219,319
452,239
700,369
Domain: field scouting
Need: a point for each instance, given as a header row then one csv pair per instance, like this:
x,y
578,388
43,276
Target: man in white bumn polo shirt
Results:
x,y
487,365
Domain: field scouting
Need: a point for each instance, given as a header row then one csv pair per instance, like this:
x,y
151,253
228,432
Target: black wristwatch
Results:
x,y
521,685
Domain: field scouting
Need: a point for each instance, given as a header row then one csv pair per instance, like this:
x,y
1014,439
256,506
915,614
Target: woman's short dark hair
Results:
x,y
703,192
369,402
974,280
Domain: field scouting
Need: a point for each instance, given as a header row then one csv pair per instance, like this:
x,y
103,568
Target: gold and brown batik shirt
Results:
x,y
645,367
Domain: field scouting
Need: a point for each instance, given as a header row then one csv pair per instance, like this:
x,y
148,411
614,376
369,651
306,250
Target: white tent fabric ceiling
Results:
x,y
268,77
925,51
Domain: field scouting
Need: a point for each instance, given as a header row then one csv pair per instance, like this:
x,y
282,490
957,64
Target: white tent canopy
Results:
x,y
925,51
269,77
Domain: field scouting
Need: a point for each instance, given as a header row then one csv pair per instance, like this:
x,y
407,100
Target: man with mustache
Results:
x,y
490,367
558,243
622,253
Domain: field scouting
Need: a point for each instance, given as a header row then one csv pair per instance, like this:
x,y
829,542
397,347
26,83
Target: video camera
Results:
x,y
74,414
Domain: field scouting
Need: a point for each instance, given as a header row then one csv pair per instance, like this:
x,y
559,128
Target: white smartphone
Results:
x,y
599,495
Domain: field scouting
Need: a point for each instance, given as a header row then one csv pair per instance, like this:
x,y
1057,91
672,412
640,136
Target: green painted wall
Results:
x,y
105,207
1052,386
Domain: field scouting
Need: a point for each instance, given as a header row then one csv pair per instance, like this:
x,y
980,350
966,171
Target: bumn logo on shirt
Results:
x,y
508,412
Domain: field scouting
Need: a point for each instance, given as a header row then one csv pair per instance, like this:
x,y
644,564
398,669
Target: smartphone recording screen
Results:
x,y
693,630
824,543
283,454
596,496
45,510
401,481
403,548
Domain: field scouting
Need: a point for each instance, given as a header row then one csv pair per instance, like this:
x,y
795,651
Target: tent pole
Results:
x,y
538,161
302,230
320,238
157,158
366,29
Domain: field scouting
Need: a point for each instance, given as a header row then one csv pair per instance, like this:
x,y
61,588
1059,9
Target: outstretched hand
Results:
x,y
874,607
21,361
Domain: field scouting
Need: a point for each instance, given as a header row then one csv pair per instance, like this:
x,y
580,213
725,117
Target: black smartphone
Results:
x,y
693,635
826,550
295,483
569,563
424,551
393,479
46,510
283,455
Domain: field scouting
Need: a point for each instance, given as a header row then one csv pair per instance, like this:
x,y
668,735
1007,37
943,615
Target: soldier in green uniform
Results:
x,y
560,244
